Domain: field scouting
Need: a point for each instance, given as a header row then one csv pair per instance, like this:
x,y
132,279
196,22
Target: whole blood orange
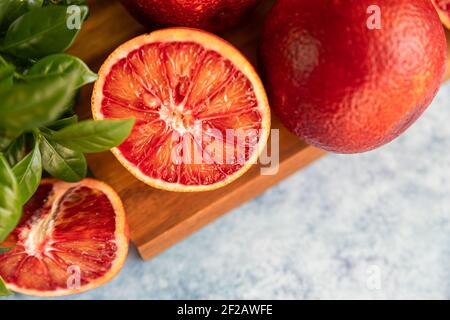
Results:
x,y
202,115
72,237
212,15
350,76
443,8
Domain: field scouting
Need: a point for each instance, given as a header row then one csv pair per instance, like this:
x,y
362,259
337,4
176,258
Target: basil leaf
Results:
x,y
67,2
41,32
60,64
4,141
62,123
3,290
28,174
16,150
62,163
6,73
94,136
26,106
33,4
3,250
10,10
6,76
6,137
10,208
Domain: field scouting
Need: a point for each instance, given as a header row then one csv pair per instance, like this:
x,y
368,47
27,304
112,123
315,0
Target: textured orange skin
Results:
x,y
443,8
343,87
212,15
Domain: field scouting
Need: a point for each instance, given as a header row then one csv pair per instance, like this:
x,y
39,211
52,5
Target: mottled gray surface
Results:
x,y
375,225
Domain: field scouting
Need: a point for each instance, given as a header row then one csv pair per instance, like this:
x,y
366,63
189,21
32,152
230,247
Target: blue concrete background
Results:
x,y
375,225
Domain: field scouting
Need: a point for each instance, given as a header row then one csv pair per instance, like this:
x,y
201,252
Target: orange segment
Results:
x,y
146,63
233,99
181,62
66,228
214,73
123,86
188,89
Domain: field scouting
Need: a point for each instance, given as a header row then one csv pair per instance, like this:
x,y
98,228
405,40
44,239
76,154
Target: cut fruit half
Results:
x,y
72,237
443,8
202,115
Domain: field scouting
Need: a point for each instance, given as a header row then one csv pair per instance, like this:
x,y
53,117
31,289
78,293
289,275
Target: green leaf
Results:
x,y
41,32
3,290
7,137
61,162
67,2
10,208
10,10
6,73
62,123
4,141
3,250
33,4
6,76
16,150
28,174
26,106
61,64
94,136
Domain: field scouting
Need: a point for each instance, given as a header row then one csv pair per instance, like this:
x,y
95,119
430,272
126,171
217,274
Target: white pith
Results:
x,y
37,235
179,119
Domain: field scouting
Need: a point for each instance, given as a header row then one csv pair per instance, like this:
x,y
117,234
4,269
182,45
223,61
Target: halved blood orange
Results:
x,y
72,237
443,8
187,89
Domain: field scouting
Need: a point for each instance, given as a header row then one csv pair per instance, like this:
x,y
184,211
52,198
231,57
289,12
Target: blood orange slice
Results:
x,y
443,8
202,115
72,237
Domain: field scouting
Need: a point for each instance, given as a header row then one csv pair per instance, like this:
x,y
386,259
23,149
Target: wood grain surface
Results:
x,y
159,219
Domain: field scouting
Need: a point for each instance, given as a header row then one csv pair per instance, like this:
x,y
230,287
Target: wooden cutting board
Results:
x,y
159,219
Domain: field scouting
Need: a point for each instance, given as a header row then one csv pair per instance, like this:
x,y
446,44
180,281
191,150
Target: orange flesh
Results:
x,y
183,95
61,228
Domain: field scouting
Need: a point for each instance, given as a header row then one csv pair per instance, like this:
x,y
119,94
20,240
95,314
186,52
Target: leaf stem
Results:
x,y
18,75
36,134
3,60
